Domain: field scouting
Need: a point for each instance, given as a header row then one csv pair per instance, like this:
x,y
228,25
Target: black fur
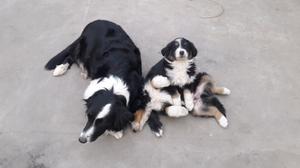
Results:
x,y
105,49
166,64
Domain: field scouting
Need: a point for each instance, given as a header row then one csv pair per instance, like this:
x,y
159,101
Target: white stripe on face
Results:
x,y
104,112
180,50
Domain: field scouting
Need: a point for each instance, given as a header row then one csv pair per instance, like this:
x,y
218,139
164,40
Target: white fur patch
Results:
x,y
112,82
178,75
177,100
88,133
159,133
117,135
226,91
158,97
188,100
160,81
105,110
176,111
60,69
223,122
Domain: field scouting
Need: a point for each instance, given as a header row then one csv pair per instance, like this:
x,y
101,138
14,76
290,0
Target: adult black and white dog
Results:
x,y
109,57
168,83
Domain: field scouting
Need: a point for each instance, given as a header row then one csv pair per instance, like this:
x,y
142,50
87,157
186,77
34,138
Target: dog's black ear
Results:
x,y
123,118
166,51
194,50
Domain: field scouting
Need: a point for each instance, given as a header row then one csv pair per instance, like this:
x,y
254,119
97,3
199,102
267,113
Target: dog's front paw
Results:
x,y
160,82
118,134
136,126
158,133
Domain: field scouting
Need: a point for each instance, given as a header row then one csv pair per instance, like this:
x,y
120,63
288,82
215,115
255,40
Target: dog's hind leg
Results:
x,y
155,124
211,111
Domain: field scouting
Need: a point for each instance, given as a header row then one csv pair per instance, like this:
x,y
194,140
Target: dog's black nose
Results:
x,y
82,140
181,52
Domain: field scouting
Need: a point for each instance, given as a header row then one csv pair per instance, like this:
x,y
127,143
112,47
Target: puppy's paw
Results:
x,y
223,122
136,126
118,134
158,133
60,69
160,82
226,91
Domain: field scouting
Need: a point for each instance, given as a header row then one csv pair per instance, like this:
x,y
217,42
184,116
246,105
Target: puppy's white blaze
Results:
x,y
226,91
177,51
60,69
105,110
160,81
112,82
223,122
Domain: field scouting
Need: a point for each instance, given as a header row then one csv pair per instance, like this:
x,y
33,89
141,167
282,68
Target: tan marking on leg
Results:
x,y
218,90
212,112
138,115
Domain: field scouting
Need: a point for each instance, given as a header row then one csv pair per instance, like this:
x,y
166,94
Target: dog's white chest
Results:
x,y
178,75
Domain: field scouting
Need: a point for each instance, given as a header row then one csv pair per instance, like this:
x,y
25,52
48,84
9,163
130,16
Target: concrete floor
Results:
x,y
252,47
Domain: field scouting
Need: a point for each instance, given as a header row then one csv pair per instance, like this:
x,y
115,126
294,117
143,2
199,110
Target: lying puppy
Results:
x,y
108,56
206,104
168,81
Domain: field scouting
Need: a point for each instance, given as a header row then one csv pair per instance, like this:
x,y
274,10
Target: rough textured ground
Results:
x,y
252,47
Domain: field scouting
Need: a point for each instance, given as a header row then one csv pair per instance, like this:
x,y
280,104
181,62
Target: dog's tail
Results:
x,y
60,57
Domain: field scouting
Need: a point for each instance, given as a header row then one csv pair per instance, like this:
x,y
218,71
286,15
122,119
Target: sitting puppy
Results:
x,y
168,81
109,57
206,104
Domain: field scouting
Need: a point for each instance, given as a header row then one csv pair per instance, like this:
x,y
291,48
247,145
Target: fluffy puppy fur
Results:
x,y
206,104
168,83
108,56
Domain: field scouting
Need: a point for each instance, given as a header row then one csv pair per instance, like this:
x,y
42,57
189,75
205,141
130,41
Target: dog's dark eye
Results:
x,y
176,44
184,43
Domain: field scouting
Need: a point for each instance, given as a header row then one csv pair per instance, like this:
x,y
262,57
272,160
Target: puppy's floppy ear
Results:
x,y
166,51
193,50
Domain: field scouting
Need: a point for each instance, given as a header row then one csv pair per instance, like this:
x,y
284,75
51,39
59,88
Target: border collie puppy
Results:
x,y
168,83
206,104
109,57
